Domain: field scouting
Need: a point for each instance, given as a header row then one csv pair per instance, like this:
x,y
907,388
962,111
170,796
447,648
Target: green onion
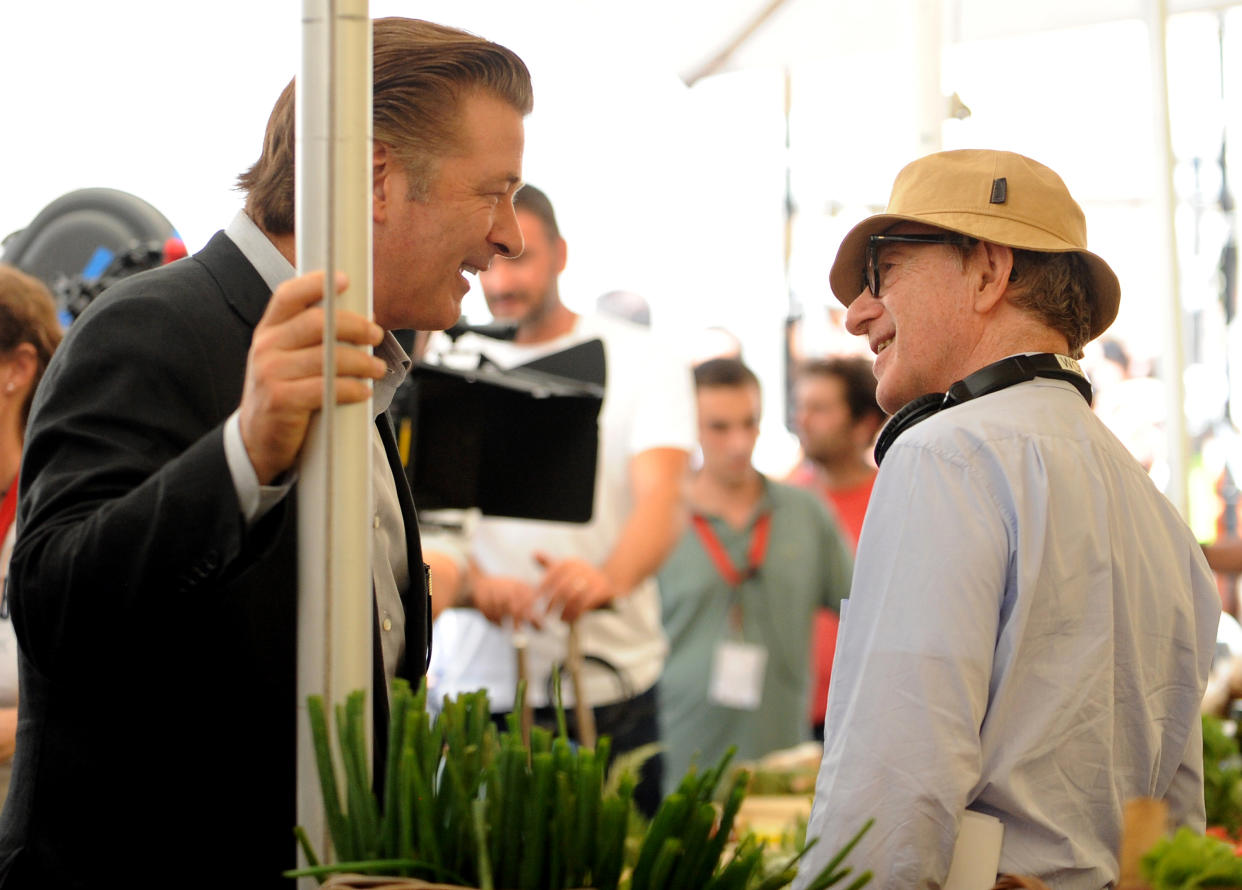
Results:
x,y
464,803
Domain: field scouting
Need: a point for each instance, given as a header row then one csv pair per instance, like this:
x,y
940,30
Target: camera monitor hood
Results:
x,y
520,442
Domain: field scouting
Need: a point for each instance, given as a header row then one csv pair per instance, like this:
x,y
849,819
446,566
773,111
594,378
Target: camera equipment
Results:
x,y
519,442
74,293
504,330
87,239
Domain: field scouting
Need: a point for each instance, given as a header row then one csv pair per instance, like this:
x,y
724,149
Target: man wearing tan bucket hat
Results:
x,y
1030,625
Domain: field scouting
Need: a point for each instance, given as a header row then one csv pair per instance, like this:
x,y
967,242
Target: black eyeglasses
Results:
x,y
871,265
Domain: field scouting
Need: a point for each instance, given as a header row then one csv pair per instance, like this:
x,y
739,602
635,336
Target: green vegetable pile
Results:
x,y
1222,775
683,848
1188,860
466,804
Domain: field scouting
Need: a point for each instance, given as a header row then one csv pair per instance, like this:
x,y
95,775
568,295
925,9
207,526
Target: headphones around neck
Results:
x,y
998,375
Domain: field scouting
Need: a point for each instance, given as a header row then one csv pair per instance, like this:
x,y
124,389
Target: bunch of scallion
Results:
x,y
466,804
684,847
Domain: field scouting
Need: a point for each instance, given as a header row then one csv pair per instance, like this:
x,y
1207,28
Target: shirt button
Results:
x,y
387,624
375,523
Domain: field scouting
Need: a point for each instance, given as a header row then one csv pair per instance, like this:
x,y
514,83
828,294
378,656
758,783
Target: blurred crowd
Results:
x,y
740,571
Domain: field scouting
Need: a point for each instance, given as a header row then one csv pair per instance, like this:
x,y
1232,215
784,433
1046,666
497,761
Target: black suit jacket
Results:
x,y
157,635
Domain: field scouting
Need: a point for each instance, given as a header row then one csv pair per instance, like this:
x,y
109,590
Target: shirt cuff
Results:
x,y
254,499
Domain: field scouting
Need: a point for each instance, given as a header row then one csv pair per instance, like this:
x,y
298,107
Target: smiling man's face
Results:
x,y
920,326
425,245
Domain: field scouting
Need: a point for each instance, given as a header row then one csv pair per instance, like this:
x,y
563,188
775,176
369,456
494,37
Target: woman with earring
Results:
x,y
29,331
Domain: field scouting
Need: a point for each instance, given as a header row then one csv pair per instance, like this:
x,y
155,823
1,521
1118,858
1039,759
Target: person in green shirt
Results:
x,y
740,590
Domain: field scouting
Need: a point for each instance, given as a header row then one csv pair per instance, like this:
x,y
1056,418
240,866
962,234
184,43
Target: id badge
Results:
x,y
737,675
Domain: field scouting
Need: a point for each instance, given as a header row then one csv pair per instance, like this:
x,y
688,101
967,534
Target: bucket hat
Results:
x,y
996,196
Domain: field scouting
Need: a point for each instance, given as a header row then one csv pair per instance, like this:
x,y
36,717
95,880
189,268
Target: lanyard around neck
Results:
x,y
755,554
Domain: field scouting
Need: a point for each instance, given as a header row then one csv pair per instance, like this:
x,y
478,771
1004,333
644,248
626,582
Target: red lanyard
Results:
x,y
8,509
724,565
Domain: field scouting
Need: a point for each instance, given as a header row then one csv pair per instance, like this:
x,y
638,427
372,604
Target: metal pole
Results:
x,y
1174,350
334,492
927,48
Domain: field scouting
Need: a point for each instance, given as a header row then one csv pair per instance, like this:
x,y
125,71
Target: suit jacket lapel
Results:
x,y
248,294
242,286
416,600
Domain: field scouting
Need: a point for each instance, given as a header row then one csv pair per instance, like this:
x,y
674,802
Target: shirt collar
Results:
x,y
398,365
275,270
259,251
763,505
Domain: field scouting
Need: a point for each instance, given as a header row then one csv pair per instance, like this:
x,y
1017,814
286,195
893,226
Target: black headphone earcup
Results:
x,y
907,415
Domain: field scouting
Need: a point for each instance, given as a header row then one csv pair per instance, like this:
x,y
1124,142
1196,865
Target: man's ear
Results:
x,y
22,366
993,263
382,162
562,255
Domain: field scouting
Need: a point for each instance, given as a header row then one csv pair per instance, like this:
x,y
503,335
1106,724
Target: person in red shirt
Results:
x,y
837,418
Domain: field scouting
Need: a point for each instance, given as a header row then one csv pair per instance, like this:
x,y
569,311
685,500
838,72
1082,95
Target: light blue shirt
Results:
x,y
1028,635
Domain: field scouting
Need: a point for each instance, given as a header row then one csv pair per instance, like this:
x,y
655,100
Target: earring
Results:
x,y
9,387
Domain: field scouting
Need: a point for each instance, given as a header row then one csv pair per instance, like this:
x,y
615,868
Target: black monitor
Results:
x,y
520,442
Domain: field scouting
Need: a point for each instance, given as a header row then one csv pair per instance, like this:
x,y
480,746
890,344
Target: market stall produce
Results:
x,y
473,807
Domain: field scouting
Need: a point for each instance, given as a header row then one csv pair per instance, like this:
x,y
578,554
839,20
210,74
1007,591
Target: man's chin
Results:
x,y
428,318
889,397
444,321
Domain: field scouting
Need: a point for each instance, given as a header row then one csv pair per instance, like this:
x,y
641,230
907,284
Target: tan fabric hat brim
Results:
x,y
950,191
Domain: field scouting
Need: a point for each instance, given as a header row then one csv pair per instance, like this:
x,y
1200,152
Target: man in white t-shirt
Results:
x,y
544,576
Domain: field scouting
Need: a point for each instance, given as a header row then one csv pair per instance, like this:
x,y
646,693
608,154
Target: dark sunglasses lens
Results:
x,y
870,272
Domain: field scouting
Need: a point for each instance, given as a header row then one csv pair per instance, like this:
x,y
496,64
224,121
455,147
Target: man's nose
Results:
x,y
861,312
506,234
741,444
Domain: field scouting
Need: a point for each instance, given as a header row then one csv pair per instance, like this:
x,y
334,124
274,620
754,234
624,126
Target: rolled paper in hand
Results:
x,y
976,855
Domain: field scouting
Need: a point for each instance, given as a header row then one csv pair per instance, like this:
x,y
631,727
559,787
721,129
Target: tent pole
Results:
x,y
334,492
928,37
1166,203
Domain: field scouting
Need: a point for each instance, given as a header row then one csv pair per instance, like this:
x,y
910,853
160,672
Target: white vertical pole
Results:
x,y
1174,350
928,31
334,493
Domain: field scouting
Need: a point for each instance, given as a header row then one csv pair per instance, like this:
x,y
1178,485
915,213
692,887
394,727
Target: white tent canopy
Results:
x,y
671,191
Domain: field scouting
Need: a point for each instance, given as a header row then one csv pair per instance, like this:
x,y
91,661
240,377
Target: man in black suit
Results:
x,y
153,588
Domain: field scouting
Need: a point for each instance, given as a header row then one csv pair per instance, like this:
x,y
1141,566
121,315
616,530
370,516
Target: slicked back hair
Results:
x,y
421,74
